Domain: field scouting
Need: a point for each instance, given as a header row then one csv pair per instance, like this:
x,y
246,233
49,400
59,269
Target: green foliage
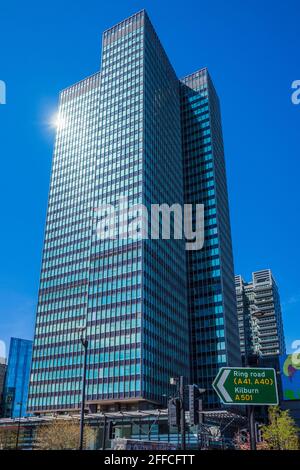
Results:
x,y
281,433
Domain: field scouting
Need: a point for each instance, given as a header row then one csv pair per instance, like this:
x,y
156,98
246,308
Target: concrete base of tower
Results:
x,y
104,406
126,404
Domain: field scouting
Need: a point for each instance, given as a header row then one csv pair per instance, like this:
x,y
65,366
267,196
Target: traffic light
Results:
x,y
194,404
258,432
200,408
174,412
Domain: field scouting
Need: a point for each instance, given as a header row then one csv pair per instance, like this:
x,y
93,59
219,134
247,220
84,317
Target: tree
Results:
x,y
281,433
8,438
61,434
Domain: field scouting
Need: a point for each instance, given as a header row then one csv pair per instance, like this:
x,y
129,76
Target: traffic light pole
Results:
x,y
250,408
182,412
251,422
19,425
104,433
84,343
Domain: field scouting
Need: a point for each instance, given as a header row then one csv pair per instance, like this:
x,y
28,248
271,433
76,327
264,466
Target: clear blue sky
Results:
x,y
252,51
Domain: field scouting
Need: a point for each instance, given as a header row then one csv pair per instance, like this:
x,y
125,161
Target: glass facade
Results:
x,y
17,378
133,131
165,315
211,291
114,139
57,355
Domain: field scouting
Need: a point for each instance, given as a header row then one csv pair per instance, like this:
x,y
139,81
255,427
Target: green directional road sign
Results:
x,y
246,386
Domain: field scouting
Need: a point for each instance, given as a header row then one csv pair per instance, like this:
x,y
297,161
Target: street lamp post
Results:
x,y
182,412
250,408
19,425
179,381
84,342
104,432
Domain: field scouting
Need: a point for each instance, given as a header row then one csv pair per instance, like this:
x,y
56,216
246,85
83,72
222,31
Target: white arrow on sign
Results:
x,y
220,385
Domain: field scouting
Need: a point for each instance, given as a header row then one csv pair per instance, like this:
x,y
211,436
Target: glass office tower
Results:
x,y
133,134
15,392
63,295
211,289
119,135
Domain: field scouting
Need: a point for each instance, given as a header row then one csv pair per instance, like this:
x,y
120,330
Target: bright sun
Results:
x,y
57,121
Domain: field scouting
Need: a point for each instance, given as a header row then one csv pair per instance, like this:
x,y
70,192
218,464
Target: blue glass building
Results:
x,y
17,378
57,354
114,140
125,132
137,287
211,289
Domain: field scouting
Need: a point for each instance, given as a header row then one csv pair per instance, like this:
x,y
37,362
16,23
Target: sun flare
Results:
x,y
58,121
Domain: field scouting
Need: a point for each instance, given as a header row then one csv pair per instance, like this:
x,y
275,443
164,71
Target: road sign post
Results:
x,y
251,424
247,386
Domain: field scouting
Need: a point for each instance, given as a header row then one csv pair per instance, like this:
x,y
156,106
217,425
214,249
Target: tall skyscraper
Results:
x,y
259,315
121,141
15,392
211,293
114,139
